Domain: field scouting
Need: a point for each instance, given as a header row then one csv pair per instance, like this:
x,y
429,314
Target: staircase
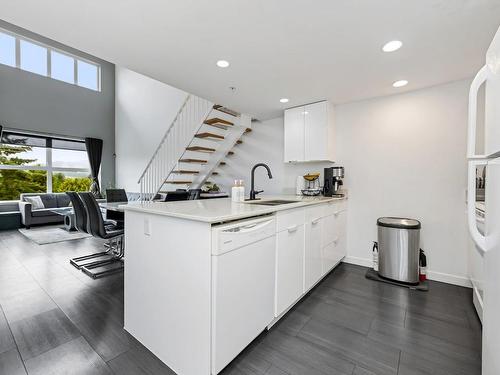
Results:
x,y
201,136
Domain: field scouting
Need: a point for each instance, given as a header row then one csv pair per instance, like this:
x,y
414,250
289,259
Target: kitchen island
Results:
x,y
203,278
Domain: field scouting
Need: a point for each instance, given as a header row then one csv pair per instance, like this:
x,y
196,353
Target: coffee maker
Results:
x,y
333,181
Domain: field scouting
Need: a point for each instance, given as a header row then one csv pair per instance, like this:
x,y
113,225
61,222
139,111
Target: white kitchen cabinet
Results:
x,y
312,249
289,266
309,133
313,268
294,134
342,234
329,232
334,240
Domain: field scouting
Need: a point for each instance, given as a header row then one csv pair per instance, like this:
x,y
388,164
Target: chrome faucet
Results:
x,y
253,193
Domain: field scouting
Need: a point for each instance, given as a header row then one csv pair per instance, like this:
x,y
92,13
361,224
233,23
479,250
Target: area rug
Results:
x,y
45,235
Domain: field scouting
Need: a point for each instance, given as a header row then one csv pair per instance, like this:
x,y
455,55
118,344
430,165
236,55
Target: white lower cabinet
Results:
x,y
334,240
289,266
328,234
342,233
313,263
309,243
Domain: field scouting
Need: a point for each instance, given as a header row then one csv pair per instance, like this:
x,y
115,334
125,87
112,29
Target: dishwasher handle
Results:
x,y
237,235
248,228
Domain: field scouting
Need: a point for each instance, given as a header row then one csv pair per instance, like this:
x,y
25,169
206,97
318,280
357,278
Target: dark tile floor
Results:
x,y
55,320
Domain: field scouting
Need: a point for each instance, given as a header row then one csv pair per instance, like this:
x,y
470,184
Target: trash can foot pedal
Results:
x,y
373,275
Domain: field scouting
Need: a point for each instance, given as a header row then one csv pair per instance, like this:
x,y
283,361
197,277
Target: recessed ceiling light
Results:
x,y
222,63
392,46
284,100
401,83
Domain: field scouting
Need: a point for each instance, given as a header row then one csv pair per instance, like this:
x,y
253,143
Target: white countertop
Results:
x,y
222,209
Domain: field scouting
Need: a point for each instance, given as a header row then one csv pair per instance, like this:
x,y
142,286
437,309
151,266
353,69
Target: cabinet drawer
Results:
x,y
331,254
289,219
314,213
334,207
333,227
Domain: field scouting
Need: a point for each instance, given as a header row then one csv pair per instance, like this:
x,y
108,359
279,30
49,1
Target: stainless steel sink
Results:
x,y
275,202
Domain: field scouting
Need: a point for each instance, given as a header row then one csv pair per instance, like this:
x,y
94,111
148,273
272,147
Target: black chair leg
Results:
x,y
110,266
96,258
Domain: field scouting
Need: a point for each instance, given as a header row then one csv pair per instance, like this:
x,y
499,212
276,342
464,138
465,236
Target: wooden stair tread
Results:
x,y
200,149
192,161
225,110
209,135
218,121
178,182
185,171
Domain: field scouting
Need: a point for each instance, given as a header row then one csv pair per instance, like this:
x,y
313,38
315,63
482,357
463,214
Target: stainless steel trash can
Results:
x,y
398,248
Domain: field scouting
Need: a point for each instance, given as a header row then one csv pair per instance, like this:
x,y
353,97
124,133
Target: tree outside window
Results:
x,y
22,172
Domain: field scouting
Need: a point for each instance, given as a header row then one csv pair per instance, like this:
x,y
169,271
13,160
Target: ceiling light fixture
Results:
x,y
401,83
392,46
284,100
222,63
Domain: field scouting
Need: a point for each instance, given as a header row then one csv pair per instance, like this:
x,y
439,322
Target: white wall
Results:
x,y
405,155
144,109
264,144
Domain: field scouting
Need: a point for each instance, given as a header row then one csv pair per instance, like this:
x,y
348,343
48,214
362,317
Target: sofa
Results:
x,y
10,217
52,202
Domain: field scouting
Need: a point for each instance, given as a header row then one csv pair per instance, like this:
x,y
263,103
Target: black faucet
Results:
x,y
253,193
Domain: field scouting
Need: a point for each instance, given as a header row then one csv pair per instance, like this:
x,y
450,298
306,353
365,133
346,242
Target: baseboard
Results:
x,y
365,262
431,275
449,279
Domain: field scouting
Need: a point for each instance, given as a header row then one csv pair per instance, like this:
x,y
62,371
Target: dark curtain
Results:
x,y
94,152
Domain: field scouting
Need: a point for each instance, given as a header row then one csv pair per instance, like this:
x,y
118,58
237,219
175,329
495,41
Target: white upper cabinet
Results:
x,y
309,133
294,134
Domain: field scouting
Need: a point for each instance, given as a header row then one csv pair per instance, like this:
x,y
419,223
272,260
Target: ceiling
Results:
x,y
299,49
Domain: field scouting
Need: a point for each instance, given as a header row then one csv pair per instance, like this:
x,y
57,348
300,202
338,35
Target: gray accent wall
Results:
x,y
36,103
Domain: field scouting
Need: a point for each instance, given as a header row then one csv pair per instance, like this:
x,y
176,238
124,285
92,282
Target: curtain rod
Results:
x,y
43,134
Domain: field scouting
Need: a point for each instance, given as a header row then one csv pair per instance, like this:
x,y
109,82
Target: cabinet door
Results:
x,y
342,234
334,244
294,134
329,232
289,267
316,131
313,269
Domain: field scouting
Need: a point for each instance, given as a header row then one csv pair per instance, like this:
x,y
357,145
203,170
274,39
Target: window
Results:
x,y
7,50
31,56
62,67
32,163
87,75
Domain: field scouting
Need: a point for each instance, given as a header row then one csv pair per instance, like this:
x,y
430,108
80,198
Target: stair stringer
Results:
x,y
232,136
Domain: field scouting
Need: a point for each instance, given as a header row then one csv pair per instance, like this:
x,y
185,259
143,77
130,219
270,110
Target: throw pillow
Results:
x,y
36,202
